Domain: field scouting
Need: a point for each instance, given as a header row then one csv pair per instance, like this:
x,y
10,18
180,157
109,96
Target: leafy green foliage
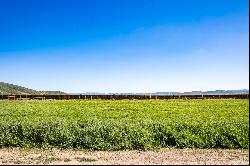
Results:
x,y
125,124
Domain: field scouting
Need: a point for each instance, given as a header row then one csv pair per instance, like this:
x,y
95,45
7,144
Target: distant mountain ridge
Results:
x,y
11,89
240,91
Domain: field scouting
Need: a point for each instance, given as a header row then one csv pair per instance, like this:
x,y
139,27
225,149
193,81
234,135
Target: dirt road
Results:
x,y
162,156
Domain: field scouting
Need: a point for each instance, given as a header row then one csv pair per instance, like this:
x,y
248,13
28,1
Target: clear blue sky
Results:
x,y
125,45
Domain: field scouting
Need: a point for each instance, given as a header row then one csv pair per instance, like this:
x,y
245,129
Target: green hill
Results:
x,y
11,89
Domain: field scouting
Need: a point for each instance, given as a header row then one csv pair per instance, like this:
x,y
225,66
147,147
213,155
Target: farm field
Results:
x,y
125,124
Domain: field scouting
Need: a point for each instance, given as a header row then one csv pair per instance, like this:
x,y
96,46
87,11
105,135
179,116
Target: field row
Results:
x,y
125,124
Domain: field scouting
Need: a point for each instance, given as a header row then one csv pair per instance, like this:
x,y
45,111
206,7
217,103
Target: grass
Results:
x,y
37,160
66,160
125,124
84,159
51,159
45,159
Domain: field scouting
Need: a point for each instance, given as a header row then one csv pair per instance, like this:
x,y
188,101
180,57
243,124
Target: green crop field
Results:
x,y
125,124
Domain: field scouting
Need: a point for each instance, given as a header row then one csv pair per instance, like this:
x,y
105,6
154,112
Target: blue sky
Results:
x,y
125,45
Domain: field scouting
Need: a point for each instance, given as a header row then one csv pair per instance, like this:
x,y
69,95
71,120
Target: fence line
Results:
x,y
119,97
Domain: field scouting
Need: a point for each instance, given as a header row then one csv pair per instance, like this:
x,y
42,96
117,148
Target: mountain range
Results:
x,y
11,89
